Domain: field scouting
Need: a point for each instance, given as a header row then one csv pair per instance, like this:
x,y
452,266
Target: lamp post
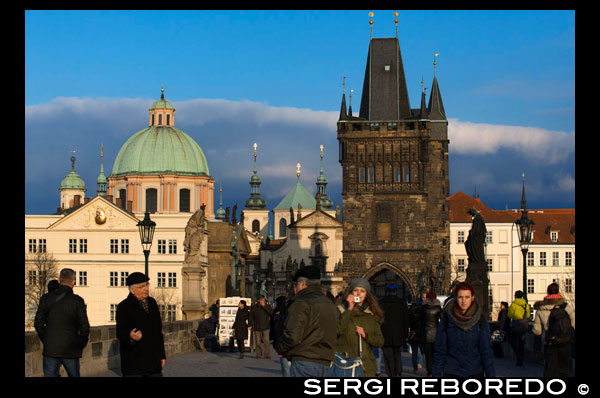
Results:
x,y
524,230
146,228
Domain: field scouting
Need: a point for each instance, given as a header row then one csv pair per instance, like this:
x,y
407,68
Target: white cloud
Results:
x,y
565,183
482,138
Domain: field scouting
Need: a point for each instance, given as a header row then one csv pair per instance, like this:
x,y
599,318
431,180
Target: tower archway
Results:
x,y
386,274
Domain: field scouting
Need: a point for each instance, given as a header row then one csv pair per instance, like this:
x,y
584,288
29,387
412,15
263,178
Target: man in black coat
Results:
x,y
260,322
62,325
139,330
394,329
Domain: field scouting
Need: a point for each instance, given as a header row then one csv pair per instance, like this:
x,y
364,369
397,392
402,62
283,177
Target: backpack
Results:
x,y
560,332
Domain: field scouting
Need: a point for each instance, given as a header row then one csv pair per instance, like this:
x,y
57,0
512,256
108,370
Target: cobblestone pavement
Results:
x,y
223,364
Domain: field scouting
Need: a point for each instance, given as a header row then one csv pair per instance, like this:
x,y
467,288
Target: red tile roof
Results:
x,y
545,220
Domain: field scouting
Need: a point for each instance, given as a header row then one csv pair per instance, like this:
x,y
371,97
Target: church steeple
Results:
x,y
101,181
423,113
255,202
343,113
326,204
436,106
220,214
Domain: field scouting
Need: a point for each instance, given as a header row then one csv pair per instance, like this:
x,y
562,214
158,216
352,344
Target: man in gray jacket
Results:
x,y
557,349
62,325
310,332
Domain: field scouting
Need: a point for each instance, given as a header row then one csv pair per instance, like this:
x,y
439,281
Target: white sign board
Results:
x,y
228,308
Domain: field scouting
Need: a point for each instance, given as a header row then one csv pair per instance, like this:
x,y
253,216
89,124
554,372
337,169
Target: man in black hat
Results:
x,y
139,330
310,333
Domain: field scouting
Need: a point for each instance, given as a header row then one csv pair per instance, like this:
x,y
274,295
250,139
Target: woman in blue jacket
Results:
x,y
462,344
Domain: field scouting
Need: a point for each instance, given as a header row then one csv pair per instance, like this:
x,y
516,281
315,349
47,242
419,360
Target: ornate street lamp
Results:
x,y
524,229
441,272
146,228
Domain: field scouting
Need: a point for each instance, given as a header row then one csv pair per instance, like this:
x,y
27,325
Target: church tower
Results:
x,y
395,178
72,189
256,216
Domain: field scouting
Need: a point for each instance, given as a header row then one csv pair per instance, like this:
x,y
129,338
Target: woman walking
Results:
x,y
462,344
240,326
360,316
429,315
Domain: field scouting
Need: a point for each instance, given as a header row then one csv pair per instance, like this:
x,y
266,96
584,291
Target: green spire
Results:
x,y
326,204
220,212
72,180
101,180
255,202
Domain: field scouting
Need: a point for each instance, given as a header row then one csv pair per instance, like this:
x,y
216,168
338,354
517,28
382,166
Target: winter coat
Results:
x,y
206,327
278,320
395,324
62,325
463,348
260,317
143,356
240,325
502,323
429,315
542,314
413,321
310,330
347,338
519,309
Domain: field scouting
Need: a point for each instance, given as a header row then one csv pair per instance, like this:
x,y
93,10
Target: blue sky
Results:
x,y
507,79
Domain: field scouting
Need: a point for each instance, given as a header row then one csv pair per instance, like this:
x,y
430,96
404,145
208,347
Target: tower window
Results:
x,y
255,226
153,119
168,120
282,227
151,200
184,200
159,120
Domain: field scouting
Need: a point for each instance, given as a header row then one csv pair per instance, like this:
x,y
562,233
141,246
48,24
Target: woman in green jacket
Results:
x,y
362,318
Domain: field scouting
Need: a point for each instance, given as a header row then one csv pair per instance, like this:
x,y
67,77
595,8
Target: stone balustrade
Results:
x,y
102,351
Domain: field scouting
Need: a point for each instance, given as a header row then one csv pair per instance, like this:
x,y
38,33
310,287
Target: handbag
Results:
x,y
342,366
498,336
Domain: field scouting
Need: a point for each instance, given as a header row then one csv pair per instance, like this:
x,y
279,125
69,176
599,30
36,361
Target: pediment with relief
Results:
x,y
97,214
318,219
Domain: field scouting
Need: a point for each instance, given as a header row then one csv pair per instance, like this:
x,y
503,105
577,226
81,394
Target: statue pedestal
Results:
x,y
193,302
477,275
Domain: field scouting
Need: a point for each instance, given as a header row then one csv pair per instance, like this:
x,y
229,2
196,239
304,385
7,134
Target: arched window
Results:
x,y
153,119
282,227
151,200
168,120
255,226
123,196
318,249
159,120
184,200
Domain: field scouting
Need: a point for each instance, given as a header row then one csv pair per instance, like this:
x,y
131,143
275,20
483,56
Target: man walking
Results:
x,y
518,312
310,332
62,325
139,330
260,322
556,318
394,329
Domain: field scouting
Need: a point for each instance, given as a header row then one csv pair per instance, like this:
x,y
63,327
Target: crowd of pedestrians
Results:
x,y
318,335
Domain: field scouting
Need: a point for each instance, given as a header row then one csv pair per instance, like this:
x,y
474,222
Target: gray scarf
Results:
x,y
467,320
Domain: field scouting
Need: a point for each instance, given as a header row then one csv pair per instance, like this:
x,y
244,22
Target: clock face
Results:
x,y
100,217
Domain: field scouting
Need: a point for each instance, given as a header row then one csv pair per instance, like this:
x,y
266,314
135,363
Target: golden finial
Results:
x,y
321,151
255,146
344,84
351,91
371,23
298,170
396,22
435,62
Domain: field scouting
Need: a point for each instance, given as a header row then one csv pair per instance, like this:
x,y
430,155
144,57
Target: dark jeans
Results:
x,y
308,369
557,361
392,355
52,366
428,351
416,349
518,346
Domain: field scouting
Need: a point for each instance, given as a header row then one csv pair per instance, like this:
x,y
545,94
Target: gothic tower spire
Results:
x,y
255,202
101,181
326,204
436,106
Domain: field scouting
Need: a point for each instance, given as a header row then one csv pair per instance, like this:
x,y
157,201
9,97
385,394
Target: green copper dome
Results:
x,y
161,103
160,150
72,181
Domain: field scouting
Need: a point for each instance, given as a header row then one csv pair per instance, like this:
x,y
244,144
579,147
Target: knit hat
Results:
x,y
360,282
